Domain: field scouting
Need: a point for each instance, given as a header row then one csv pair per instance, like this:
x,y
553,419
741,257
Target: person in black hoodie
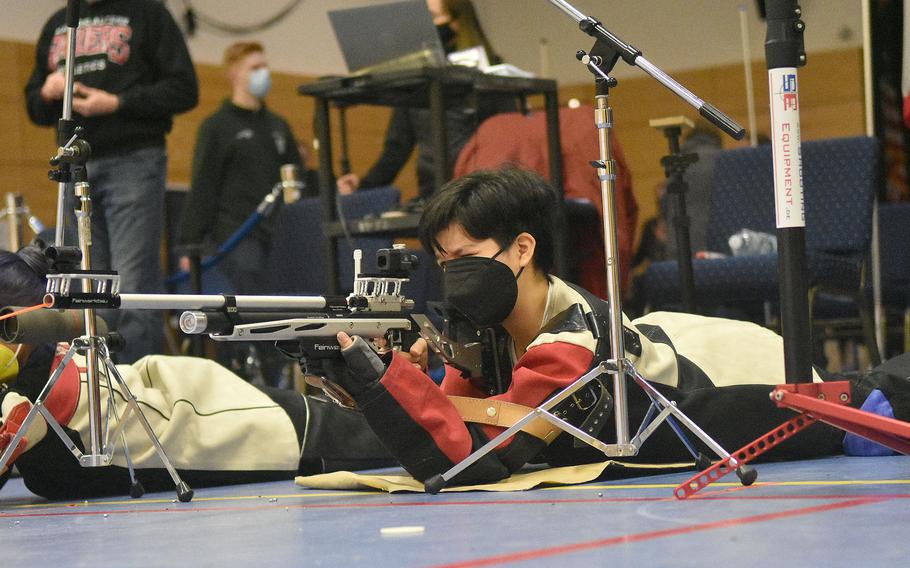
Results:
x,y
237,161
240,150
133,73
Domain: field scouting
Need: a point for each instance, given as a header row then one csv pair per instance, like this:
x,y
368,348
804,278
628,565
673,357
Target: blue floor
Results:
x,y
831,512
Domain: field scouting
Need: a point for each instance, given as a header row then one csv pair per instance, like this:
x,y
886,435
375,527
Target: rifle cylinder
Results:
x,y
195,322
214,302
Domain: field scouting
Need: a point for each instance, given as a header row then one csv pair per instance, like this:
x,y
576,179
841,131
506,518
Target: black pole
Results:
x,y
345,158
554,156
441,171
675,165
327,188
784,52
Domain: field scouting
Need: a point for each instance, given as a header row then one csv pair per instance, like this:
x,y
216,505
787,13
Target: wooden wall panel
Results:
x,y
831,100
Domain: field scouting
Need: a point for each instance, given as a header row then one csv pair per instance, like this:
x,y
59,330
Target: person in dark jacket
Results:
x,y
240,150
133,73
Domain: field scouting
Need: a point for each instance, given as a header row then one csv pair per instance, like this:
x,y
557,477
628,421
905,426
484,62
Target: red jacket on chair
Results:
x,y
518,139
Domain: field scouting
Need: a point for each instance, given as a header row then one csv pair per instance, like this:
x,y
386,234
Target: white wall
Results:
x,y
672,34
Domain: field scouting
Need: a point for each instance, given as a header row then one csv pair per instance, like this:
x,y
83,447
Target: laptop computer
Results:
x,y
397,35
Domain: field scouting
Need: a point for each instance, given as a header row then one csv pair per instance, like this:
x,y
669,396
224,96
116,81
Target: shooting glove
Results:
x,y
362,367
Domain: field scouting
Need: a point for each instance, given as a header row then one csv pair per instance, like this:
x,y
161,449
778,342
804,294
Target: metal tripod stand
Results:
x,y
102,441
16,215
606,52
100,455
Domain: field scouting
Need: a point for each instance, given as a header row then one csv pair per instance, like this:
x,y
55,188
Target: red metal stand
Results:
x,y
825,402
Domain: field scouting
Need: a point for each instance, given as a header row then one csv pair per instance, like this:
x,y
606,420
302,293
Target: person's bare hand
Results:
x,y
348,184
344,340
94,102
52,89
439,12
418,354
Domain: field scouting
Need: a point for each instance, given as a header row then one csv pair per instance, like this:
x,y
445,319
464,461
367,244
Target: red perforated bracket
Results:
x,y
743,456
826,402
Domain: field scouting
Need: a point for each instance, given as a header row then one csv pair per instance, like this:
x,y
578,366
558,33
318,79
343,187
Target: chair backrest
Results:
x,y
840,179
354,206
425,284
296,263
297,259
894,234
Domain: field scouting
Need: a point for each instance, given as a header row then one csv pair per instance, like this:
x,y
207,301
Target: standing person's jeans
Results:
x,y
127,218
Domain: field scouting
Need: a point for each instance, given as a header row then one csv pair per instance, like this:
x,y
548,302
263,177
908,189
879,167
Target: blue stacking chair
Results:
x,y
355,206
840,179
297,259
425,284
297,263
894,234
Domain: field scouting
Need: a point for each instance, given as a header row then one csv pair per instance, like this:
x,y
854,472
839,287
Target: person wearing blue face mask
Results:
x,y
240,150
238,157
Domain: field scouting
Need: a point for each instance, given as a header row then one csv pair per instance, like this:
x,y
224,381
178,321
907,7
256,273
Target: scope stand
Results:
x,y
675,165
619,367
69,169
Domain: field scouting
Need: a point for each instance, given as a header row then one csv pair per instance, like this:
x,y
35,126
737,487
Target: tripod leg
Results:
x,y
55,426
11,447
136,488
38,407
683,438
17,438
184,493
701,461
747,475
647,419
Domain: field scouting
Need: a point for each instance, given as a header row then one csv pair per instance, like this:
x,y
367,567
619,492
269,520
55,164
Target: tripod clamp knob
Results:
x,y
77,151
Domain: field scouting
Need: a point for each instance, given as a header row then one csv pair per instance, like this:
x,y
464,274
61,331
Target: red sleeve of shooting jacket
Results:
x,y
424,431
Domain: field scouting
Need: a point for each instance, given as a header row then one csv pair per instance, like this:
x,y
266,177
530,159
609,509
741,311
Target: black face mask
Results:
x,y
482,289
447,37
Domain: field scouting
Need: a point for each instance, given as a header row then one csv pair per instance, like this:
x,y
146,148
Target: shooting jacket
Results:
x,y
718,371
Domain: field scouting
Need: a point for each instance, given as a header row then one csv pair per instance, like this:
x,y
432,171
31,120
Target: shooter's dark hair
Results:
x,y
498,205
